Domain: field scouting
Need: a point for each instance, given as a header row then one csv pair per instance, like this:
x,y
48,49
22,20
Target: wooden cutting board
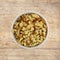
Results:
x,y
49,50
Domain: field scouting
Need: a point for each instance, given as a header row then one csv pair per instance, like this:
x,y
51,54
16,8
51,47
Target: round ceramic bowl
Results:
x,y
29,12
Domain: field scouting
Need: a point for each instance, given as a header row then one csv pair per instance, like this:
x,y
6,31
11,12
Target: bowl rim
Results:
x,y
25,12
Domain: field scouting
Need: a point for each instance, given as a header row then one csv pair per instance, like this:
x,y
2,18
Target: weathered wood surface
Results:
x,y
50,50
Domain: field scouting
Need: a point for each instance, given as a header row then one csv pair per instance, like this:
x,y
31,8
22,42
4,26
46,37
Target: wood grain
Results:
x,y
49,50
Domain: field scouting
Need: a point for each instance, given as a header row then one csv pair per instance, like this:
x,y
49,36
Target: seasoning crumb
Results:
x,y
30,30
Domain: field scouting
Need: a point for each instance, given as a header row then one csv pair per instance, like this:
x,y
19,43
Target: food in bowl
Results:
x,y
30,29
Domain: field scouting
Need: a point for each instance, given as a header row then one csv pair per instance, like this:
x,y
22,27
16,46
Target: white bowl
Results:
x,y
17,18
